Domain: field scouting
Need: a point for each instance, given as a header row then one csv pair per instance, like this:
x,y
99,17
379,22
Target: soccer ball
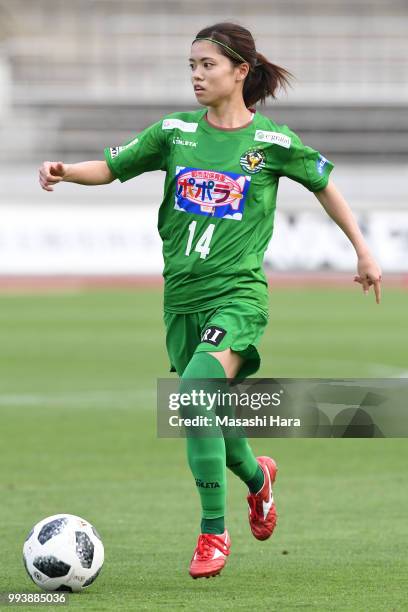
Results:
x,y
63,553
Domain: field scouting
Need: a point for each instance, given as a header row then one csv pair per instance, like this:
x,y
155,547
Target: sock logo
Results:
x,y
207,485
213,335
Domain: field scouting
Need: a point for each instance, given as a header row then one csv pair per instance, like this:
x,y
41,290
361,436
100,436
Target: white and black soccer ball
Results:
x,y
63,553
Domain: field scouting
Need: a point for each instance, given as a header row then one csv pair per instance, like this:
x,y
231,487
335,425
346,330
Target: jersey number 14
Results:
x,y
203,244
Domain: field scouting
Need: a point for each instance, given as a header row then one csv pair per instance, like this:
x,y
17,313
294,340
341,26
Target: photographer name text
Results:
x,y
226,421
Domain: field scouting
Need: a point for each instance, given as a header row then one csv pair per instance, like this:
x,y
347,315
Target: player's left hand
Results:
x,y
369,273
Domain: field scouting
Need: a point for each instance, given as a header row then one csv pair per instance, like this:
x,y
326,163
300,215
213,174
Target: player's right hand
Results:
x,y
51,173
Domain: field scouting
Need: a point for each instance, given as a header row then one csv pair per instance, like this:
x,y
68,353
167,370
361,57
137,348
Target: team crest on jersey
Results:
x,y
211,193
253,160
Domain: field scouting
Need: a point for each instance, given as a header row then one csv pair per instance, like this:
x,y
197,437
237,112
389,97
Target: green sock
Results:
x,y
215,525
255,483
206,449
239,455
209,455
240,459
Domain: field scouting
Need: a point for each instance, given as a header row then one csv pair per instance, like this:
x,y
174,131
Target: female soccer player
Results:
x,y
222,164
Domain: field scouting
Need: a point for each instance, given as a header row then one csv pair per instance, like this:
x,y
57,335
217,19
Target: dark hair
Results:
x,y
264,78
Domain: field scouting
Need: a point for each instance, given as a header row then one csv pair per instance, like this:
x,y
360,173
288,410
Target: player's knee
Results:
x,y
198,385
204,365
230,361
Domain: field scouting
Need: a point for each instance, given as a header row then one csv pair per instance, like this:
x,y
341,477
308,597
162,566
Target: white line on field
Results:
x,y
388,371
100,397
379,370
113,397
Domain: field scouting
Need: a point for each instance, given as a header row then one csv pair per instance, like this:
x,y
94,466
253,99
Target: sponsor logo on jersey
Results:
x,y
253,160
186,143
320,163
184,126
273,137
213,335
211,193
114,151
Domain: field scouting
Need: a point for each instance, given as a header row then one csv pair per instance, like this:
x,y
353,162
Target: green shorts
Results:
x,y
235,325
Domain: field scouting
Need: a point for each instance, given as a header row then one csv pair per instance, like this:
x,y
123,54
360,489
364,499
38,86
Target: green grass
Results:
x,y
77,416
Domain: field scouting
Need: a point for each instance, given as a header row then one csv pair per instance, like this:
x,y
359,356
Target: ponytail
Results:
x,y
264,80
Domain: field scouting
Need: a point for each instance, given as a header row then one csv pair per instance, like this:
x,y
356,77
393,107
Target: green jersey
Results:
x,y
217,214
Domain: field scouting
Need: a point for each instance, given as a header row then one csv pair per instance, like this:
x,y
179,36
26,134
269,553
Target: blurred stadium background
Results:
x,y
78,368
76,77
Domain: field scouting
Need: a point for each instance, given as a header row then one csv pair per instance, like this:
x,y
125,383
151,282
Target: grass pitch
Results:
x,y
77,409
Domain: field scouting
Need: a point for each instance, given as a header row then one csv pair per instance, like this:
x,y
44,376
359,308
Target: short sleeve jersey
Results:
x,y
217,214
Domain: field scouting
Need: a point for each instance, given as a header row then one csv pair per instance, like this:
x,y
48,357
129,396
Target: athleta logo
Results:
x,y
213,335
186,143
207,485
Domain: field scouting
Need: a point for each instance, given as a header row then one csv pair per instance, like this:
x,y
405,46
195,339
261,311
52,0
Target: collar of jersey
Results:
x,y
204,125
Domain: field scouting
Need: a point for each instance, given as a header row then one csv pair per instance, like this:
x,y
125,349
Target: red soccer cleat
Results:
x,y
210,554
262,511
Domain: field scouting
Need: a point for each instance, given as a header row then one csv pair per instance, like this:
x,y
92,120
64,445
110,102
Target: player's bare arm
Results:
x,y
84,173
335,205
